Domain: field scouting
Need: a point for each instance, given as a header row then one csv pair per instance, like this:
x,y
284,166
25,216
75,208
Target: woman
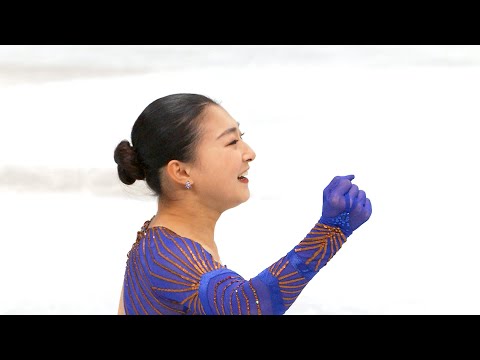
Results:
x,y
190,152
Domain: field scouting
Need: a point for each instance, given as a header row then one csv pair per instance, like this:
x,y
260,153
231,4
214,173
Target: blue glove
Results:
x,y
344,205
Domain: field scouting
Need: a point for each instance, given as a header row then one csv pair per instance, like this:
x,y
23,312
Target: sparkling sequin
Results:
x,y
342,221
171,274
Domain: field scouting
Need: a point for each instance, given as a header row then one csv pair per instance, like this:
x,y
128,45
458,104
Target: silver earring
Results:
x,y
188,185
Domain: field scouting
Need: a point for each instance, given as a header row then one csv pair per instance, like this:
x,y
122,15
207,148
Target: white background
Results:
x,y
403,119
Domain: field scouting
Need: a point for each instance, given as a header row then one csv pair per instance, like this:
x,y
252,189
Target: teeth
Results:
x,y
244,174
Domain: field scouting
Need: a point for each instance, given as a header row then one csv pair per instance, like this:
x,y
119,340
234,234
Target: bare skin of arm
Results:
x,y
121,309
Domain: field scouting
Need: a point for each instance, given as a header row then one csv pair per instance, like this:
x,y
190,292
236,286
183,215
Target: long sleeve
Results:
x,y
170,274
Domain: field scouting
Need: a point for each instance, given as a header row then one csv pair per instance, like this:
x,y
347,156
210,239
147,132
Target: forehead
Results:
x,y
215,121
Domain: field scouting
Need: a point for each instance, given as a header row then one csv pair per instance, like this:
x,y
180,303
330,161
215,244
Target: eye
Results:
x,y
235,141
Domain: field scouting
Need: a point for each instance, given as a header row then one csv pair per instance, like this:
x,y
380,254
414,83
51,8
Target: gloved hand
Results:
x,y
344,205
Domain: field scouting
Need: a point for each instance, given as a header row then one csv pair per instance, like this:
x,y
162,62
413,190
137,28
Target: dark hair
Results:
x,y
167,129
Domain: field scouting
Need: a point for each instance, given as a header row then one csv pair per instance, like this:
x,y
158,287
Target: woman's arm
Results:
x,y
169,274
275,289
121,308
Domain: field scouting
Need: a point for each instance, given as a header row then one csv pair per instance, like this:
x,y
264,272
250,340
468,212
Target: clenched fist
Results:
x,y
344,205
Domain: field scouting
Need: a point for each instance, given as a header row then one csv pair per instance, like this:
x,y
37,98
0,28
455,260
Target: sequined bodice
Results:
x,y
173,275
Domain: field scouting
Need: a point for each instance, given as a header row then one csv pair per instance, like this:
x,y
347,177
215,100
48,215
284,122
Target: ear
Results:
x,y
178,172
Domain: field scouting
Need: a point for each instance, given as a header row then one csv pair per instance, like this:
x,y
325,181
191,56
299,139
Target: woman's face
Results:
x,y
222,159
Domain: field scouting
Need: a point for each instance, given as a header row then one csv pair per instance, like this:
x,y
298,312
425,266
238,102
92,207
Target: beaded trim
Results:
x,y
342,221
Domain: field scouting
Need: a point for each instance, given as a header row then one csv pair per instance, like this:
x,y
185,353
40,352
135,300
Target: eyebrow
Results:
x,y
229,131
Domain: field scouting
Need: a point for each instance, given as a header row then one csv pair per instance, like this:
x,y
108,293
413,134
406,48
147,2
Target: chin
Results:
x,y
245,197
239,201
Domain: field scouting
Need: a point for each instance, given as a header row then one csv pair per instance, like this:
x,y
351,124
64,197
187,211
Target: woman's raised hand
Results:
x,y
344,205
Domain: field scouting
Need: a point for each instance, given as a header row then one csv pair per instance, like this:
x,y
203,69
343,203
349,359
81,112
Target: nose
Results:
x,y
249,154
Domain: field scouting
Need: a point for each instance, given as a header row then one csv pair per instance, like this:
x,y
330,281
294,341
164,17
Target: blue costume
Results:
x,y
173,275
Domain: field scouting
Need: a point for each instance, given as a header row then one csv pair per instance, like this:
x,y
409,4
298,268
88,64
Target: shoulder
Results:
x,y
178,251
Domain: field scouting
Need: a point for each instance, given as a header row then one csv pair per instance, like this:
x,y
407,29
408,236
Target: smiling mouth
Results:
x,y
243,179
243,175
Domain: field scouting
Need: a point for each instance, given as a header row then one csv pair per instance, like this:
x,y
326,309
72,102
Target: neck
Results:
x,y
189,220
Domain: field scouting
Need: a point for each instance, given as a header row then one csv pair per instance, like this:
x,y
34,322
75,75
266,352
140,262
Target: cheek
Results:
x,y
219,178
217,166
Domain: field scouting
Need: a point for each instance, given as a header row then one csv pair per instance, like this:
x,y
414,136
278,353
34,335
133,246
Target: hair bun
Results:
x,y
128,167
